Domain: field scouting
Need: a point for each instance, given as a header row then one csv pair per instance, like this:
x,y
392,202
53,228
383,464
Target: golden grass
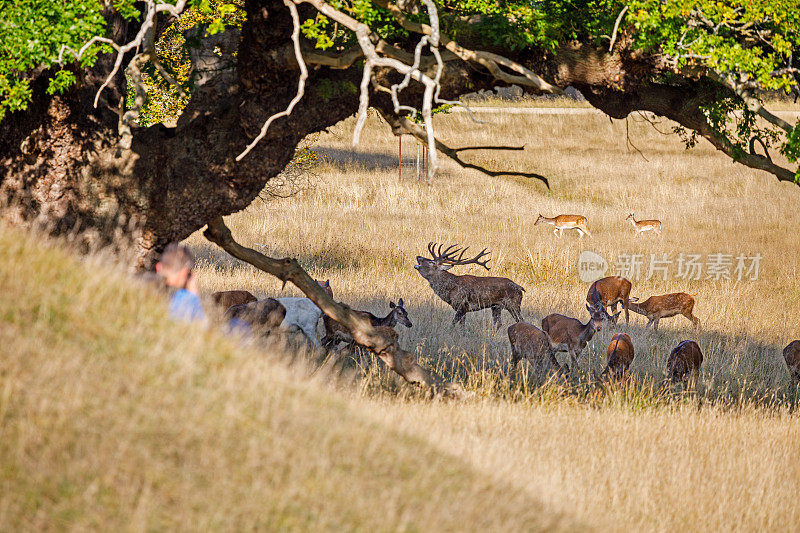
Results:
x,y
111,417
361,227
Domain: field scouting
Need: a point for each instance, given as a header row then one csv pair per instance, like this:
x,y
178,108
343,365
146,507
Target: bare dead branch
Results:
x,y
490,61
381,343
301,83
153,9
616,27
401,125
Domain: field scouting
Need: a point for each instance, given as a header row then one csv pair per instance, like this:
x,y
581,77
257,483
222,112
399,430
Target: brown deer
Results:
x,y
657,307
529,342
562,222
608,292
619,354
684,361
570,334
262,316
469,293
791,354
336,332
226,299
645,225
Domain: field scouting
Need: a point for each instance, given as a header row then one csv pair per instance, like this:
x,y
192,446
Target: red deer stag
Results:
x,y
657,307
469,293
529,342
336,332
619,354
791,355
685,360
570,335
608,292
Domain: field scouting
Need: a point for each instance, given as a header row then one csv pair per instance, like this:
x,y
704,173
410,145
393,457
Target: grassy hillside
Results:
x,y
112,418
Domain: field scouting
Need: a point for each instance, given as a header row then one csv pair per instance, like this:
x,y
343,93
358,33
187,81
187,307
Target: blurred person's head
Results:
x,y
176,265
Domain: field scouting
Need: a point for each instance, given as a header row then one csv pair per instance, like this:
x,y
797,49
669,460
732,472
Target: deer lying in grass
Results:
x,y
608,292
657,307
619,354
529,342
263,316
684,361
791,354
226,299
562,222
302,314
570,335
336,332
645,225
469,293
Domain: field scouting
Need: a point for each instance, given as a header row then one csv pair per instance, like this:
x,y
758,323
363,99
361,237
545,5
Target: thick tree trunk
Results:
x,y
61,165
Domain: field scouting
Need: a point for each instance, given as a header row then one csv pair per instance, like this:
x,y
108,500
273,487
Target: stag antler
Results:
x,y
448,255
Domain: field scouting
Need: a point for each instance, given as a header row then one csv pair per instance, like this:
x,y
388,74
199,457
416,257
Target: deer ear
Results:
x,y
391,305
400,302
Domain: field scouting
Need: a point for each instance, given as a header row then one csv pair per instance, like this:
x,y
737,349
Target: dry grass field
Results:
x,y
112,417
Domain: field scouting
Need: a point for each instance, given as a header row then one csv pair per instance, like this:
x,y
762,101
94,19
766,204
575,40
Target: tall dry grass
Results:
x,y
112,417
361,227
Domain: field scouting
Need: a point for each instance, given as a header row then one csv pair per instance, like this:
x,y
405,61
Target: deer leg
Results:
x,y
515,312
573,361
460,314
555,232
655,323
496,310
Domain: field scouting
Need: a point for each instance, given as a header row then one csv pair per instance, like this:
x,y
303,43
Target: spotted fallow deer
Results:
x,y
684,361
657,307
645,225
562,222
791,354
529,342
469,293
619,354
608,292
570,335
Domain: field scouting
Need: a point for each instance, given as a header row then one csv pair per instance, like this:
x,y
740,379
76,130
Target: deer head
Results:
x,y
630,217
539,220
446,259
399,313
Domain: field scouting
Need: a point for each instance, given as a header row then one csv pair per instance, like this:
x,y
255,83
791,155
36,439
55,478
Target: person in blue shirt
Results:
x,y
175,266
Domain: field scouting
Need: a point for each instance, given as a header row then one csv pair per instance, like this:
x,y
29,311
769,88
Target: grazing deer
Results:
x,y
685,360
469,293
608,292
645,225
335,332
263,316
562,222
226,299
657,307
619,354
570,335
791,354
529,342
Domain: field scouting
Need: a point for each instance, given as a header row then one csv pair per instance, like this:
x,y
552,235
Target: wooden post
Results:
x,y
399,157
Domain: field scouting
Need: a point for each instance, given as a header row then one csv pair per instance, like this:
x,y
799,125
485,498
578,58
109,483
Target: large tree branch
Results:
x,y
401,125
488,60
380,342
753,104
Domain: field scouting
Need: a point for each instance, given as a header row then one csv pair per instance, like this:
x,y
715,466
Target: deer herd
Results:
x,y
468,293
